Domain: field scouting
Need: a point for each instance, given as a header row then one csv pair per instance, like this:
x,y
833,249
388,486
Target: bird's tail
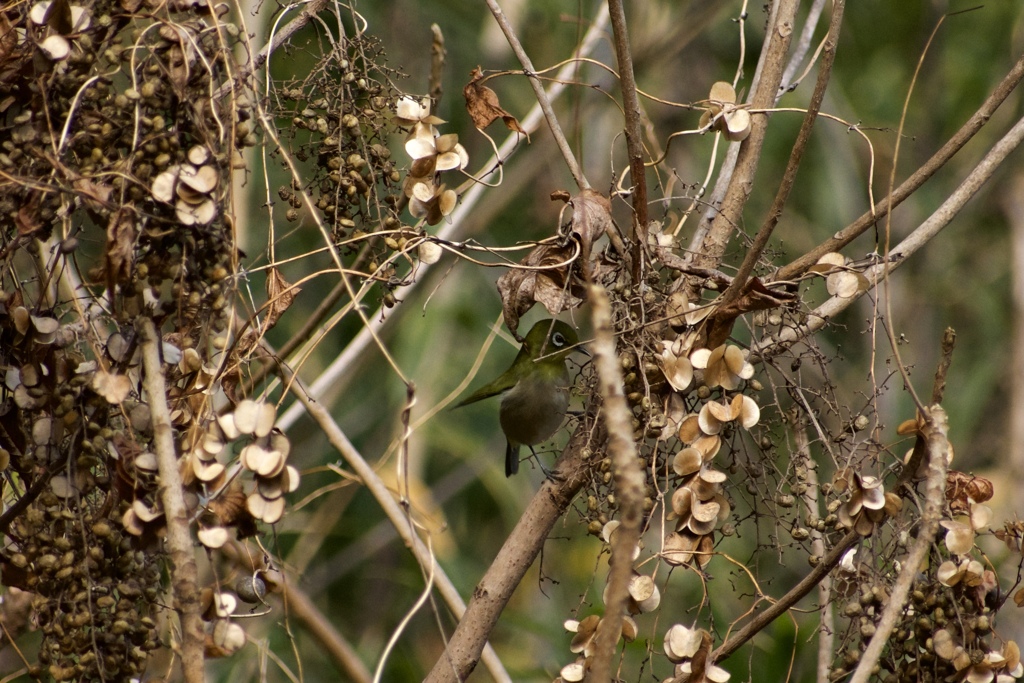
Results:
x,y
511,459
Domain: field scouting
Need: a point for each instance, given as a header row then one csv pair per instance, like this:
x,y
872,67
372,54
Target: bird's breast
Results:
x,y
533,410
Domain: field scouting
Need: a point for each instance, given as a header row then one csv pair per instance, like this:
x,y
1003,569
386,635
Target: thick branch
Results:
x,y
184,572
789,176
629,483
729,216
911,184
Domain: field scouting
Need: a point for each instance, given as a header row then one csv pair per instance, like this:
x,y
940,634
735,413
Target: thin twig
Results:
x,y
948,344
799,147
935,498
542,96
918,178
942,216
629,482
634,141
184,572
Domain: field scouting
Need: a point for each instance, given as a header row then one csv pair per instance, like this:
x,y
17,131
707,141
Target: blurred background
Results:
x,y
347,556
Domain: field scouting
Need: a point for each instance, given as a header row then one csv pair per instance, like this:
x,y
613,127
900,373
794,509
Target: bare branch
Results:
x,y
629,482
935,497
729,215
916,180
789,176
184,572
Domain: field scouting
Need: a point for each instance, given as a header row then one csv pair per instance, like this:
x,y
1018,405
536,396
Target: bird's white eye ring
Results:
x,y
557,339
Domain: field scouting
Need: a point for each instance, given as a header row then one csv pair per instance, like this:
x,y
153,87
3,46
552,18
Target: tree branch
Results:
x,y
729,215
916,180
629,483
799,147
634,141
184,572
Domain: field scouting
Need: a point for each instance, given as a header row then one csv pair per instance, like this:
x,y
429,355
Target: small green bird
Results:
x,y
535,393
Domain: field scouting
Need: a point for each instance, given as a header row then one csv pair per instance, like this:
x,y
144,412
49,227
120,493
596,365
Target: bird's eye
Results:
x,y
557,339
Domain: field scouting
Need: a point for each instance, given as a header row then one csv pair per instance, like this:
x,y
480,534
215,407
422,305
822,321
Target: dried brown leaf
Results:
x,y
120,245
281,294
483,105
591,217
520,289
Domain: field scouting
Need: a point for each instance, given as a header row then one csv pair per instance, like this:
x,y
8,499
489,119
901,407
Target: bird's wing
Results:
x,y
498,386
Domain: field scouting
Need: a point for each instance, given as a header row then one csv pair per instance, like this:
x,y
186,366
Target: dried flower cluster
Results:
x,y
432,154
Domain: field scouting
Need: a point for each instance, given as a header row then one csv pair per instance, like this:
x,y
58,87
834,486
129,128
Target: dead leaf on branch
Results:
x,y
280,294
551,279
483,105
755,297
120,246
591,217
520,288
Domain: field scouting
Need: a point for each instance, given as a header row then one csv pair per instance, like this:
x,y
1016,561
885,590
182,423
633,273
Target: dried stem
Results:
x,y
184,572
911,184
799,147
542,96
935,497
634,141
948,344
629,482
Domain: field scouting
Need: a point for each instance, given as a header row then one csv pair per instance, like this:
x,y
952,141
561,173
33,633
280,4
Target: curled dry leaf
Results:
x,y
280,296
120,247
551,279
591,218
483,105
520,288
